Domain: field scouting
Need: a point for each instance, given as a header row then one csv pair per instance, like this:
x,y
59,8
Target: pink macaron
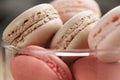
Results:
x,y
69,8
90,68
30,66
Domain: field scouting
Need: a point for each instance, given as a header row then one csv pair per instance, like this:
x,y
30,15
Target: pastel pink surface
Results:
x,y
90,68
28,66
69,8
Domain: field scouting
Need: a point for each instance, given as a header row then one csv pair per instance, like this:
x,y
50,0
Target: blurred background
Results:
x,y
9,9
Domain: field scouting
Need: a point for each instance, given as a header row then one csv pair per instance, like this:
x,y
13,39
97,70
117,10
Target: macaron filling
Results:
x,y
105,29
75,29
35,21
61,74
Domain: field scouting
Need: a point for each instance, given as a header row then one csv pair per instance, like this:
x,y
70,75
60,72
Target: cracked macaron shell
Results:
x,y
106,36
30,66
35,22
69,8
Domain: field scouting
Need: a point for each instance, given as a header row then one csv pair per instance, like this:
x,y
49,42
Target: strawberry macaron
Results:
x,y
90,68
28,65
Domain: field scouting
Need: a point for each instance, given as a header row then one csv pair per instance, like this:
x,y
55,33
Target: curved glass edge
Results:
x,y
1,64
5,58
7,55
59,52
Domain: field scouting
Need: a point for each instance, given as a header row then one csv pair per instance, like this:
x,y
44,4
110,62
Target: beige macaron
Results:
x,y
34,26
74,33
105,36
69,8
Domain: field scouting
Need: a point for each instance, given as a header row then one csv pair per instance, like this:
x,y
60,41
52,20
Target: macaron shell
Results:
x,y
29,21
21,18
41,36
30,66
78,44
70,8
90,68
105,36
74,34
69,28
81,40
111,42
103,25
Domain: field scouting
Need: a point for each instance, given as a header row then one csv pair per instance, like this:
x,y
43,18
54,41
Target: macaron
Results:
x,y
105,36
69,8
34,26
90,68
30,66
74,33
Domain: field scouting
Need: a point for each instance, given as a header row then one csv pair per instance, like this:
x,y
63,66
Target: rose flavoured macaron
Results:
x,y
31,66
74,33
34,26
69,8
90,68
105,36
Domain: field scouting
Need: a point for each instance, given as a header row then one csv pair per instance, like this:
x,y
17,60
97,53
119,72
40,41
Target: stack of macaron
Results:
x,y
65,25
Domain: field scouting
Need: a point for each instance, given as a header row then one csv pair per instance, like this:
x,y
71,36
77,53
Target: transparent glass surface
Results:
x,y
1,64
7,53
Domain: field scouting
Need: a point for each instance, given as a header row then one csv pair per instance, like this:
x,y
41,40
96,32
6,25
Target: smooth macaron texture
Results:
x,y
69,8
90,68
74,33
30,66
34,26
106,36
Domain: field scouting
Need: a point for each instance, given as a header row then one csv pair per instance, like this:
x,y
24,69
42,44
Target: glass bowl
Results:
x,y
7,53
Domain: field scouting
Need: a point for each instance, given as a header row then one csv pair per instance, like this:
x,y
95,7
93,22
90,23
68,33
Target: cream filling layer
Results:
x,y
74,29
38,17
33,28
105,30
